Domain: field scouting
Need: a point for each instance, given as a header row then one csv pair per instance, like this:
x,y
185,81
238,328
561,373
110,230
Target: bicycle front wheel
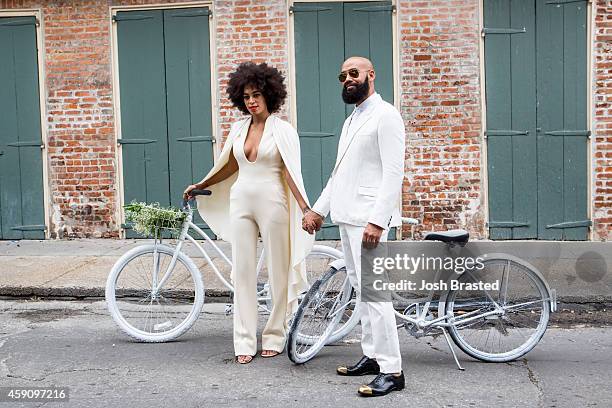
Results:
x,y
144,312
317,263
499,325
318,315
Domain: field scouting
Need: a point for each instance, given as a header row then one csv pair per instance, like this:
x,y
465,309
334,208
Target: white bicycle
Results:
x,y
491,326
155,291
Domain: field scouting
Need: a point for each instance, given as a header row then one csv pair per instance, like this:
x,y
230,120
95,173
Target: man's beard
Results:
x,y
359,93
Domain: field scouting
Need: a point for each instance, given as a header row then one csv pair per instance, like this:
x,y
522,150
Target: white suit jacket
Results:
x,y
365,185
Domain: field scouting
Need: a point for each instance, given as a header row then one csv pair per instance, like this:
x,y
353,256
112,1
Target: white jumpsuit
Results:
x,y
258,205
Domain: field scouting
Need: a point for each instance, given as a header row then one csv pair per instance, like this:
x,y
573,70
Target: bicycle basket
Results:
x,y
151,219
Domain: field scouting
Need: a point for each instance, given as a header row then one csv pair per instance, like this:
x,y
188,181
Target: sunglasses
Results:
x,y
353,73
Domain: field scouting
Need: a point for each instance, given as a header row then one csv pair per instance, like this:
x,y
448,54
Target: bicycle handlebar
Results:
x,y
193,194
197,192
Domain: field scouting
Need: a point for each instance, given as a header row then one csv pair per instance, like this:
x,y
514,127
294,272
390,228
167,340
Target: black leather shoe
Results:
x,y
365,366
382,385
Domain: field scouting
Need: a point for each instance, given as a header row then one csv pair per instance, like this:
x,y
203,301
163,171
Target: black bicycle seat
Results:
x,y
456,236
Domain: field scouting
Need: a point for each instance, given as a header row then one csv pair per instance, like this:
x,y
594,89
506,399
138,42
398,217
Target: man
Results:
x,y
362,195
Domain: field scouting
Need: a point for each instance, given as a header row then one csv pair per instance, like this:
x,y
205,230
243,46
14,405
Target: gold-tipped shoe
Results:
x,y
365,390
382,385
365,366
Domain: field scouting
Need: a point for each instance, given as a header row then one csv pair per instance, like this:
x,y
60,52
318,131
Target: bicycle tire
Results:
x,y
541,304
328,310
121,318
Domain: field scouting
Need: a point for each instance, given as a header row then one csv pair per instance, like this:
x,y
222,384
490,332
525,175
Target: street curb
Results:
x,y
71,293
216,295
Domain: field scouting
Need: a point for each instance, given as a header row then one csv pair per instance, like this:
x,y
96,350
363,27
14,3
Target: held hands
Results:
x,y
371,236
311,221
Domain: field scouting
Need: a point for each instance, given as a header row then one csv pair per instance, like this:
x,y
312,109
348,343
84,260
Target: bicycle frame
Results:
x,y
184,235
262,295
422,323
445,320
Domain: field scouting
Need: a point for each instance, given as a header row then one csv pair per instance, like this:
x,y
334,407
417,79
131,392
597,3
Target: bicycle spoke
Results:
x,y
160,312
519,320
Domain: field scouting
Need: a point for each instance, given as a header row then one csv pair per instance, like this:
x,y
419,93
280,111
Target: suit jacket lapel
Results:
x,y
350,136
343,137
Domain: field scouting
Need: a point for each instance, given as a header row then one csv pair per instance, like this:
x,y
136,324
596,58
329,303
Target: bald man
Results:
x,y
363,195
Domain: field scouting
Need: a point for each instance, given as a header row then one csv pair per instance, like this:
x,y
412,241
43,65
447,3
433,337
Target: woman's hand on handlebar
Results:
x,y
186,195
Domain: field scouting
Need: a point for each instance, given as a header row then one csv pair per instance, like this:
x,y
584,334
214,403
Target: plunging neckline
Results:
x,y
263,133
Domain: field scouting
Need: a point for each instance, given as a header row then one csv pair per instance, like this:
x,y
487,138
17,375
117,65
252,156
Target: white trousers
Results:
x,y
378,328
259,208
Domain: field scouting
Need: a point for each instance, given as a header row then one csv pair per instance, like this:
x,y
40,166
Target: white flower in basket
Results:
x,y
151,219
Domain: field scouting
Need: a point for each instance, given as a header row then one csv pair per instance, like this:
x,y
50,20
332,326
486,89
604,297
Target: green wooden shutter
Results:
x,y
535,64
142,81
562,119
511,118
326,34
319,52
375,43
190,141
21,175
166,120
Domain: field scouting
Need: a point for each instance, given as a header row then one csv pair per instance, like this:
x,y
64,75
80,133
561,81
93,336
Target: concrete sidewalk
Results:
x,y
79,268
578,271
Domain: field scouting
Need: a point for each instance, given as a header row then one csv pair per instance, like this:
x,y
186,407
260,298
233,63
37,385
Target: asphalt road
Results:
x,y
76,345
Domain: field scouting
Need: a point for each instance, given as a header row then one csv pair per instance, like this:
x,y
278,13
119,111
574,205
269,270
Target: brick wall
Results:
x,y
602,120
83,174
81,153
248,30
440,103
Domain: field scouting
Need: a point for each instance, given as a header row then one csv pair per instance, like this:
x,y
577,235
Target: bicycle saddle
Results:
x,y
456,236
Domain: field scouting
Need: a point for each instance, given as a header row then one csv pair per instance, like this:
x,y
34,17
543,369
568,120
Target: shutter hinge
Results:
x,y
25,144
306,8
570,224
29,228
390,7
135,141
506,224
561,2
488,30
130,16
195,139
192,12
499,132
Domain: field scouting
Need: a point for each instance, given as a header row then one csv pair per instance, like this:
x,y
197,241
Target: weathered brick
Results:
x,y
440,101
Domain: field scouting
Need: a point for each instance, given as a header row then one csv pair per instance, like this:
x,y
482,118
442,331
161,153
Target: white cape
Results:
x,y
215,211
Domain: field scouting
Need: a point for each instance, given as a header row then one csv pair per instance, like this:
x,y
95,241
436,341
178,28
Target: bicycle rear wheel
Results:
x,y
521,309
318,315
148,315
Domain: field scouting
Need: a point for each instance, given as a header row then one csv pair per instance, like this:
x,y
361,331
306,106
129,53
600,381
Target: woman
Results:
x,y
257,188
